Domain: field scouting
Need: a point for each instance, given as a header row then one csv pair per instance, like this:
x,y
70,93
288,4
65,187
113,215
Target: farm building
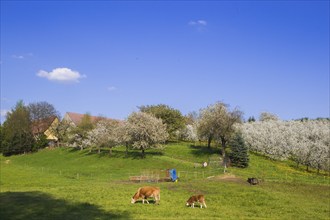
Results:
x,y
47,127
74,119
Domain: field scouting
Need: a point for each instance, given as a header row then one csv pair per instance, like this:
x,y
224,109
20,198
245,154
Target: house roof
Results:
x,y
42,125
77,117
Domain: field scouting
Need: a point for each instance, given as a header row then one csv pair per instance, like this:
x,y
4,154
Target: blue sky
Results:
x,y
108,57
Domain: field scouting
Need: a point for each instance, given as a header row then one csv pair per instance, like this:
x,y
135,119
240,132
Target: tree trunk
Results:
x,y
126,149
110,151
209,142
224,156
223,145
142,153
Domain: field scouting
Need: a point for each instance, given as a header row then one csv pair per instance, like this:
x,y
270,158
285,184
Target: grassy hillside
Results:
x,y
71,184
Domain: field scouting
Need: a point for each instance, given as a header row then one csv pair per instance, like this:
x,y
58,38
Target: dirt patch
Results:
x,y
229,178
126,182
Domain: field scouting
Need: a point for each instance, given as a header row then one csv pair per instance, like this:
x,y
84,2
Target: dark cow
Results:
x,y
198,198
253,181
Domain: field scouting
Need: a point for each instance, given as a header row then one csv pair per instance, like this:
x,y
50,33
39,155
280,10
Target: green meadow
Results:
x,y
65,183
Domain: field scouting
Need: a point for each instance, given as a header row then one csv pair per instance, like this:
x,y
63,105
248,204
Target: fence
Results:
x,y
160,175
190,175
151,176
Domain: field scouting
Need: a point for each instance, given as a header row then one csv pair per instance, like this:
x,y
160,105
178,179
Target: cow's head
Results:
x,y
135,197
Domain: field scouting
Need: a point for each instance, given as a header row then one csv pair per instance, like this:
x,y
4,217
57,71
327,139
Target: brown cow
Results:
x,y
145,193
198,198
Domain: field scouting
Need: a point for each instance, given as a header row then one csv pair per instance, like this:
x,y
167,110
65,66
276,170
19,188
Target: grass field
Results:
x,y
69,184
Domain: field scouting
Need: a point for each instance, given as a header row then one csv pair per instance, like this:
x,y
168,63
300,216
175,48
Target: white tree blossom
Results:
x,y
306,142
146,131
104,135
218,122
189,133
267,116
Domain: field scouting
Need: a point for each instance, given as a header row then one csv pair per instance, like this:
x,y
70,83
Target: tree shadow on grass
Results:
x,y
136,154
132,153
39,205
204,151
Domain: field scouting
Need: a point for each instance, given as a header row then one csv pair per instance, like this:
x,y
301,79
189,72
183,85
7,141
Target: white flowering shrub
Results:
x,y
306,142
267,116
145,131
104,135
189,133
217,122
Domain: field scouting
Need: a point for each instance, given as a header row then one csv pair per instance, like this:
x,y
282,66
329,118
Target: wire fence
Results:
x,y
157,175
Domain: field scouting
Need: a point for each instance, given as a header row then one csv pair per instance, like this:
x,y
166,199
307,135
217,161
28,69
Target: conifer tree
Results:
x,y
17,132
239,152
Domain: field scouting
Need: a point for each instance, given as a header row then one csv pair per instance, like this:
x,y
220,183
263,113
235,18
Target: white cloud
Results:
x,y
111,88
18,57
22,56
61,75
198,23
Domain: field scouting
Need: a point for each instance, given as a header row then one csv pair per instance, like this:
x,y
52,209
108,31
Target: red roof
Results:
x,y
42,125
76,117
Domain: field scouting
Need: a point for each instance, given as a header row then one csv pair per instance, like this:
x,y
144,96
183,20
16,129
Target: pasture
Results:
x,y
65,183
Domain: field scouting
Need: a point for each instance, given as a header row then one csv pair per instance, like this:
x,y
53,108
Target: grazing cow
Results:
x,y
253,181
198,198
145,193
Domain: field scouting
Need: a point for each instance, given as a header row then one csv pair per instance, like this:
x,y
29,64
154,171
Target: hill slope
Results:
x,y
70,184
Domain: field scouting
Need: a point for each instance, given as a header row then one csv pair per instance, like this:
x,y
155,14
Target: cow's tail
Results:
x,y
157,196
